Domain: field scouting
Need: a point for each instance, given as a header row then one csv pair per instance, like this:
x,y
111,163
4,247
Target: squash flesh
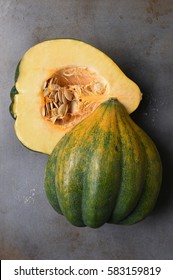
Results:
x,y
42,61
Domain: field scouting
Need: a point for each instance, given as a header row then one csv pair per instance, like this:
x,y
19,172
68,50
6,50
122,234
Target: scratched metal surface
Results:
x,y
138,35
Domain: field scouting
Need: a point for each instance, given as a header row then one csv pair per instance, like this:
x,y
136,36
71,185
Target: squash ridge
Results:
x,y
132,169
146,202
50,186
103,214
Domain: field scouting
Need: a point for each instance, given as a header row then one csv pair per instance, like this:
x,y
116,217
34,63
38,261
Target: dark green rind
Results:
x,y
50,174
13,92
49,184
133,168
17,71
89,179
101,182
80,201
153,181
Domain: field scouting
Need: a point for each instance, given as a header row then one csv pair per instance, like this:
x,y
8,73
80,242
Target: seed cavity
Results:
x,y
66,91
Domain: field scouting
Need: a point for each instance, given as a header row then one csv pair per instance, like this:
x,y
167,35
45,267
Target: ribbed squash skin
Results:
x,y
13,92
106,169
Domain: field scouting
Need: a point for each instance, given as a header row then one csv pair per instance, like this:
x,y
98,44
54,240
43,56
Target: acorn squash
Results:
x,y
60,82
105,170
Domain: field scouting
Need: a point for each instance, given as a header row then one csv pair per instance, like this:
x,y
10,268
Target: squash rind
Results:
x,y
133,169
13,92
50,182
153,181
90,168
83,197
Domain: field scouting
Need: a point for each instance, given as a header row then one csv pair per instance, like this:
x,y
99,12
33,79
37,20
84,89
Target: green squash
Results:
x,y
106,169
13,93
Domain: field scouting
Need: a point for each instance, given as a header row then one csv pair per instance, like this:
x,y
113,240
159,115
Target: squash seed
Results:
x,y
60,96
46,92
53,87
52,96
45,85
48,107
51,81
56,97
53,119
73,106
61,102
55,104
55,111
64,100
68,94
62,110
43,111
51,105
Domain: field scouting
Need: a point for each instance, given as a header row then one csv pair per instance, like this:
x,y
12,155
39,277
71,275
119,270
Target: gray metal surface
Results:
x,y
138,35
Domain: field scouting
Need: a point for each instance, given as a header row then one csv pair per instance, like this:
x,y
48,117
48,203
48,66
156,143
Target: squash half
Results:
x,y
60,82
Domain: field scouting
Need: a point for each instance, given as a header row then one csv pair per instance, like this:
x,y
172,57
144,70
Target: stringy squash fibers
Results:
x,y
60,82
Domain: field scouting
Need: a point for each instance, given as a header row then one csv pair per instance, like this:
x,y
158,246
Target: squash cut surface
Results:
x,y
67,69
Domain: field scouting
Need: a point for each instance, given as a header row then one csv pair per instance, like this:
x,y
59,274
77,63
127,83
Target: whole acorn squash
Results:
x,y
106,169
60,82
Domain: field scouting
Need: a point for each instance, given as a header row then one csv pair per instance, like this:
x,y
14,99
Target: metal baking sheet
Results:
x,y
138,35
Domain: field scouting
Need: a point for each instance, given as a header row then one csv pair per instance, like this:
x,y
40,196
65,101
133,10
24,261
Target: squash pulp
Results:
x,y
60,82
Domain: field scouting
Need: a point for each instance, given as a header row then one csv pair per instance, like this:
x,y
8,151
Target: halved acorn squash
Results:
x,y
60,82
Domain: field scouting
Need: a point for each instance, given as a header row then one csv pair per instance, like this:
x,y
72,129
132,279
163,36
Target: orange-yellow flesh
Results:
x,y
42,61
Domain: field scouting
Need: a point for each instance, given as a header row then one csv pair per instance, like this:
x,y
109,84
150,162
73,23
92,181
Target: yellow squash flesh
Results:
x,y
42,61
